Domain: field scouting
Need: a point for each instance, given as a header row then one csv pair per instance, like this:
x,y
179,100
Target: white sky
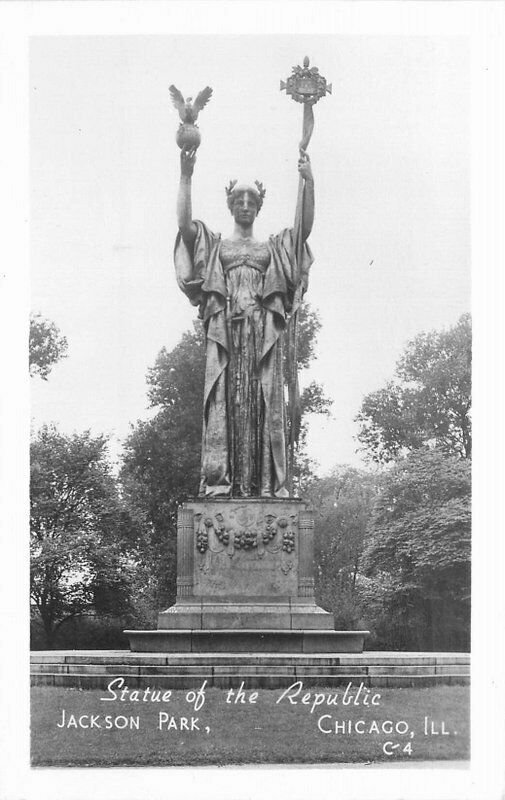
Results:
x,y
391,158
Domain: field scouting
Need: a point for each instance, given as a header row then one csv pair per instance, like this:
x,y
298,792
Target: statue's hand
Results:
x,y
304,167
188,158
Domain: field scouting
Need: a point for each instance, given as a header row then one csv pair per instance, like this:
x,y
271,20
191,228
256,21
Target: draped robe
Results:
x,y
225,443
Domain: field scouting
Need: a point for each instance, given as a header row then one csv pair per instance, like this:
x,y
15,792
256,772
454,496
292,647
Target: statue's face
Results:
x,y
244,208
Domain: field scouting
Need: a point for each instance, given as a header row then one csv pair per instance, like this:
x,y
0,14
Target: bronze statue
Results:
x,y
248,293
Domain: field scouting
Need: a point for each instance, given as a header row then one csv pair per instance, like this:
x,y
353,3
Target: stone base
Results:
x,y
94,669
245,583
246,641
207,613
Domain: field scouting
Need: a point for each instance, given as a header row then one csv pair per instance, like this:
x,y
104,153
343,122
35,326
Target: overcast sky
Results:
x,y
390,154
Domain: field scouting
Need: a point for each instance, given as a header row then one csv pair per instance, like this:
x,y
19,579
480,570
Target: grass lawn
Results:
x,y
265,732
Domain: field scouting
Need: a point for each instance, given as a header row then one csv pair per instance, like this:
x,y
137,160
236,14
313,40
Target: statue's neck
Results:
x,y
242,231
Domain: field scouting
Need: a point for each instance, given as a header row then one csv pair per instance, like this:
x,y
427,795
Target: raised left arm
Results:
x,y
305,170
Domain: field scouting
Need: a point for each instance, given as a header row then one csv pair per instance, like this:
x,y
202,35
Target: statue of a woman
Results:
x,y
244,289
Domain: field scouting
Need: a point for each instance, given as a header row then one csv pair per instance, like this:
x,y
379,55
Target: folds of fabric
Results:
x,y
244,448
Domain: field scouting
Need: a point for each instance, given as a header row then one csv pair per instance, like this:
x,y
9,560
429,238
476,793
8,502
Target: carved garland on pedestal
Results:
x,y
245,531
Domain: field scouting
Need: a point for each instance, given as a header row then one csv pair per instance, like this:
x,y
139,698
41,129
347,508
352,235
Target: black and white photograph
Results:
x,y
256,539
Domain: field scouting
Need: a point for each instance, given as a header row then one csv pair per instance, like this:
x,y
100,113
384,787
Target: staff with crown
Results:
x,y
246,290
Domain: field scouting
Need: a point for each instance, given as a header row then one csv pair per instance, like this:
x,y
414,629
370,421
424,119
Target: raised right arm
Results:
x,y
187,227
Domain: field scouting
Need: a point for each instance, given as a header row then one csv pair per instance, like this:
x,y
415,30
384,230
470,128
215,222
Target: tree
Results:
x,y
427,402
161,463
161,459
46,346
419,545
342,502
77,524
312,401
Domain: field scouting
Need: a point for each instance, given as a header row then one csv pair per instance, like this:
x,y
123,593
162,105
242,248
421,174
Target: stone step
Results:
x,y
246,640
268,681
230,669
368,658
95,669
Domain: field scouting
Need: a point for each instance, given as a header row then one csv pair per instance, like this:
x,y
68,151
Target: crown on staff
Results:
x,y
306,84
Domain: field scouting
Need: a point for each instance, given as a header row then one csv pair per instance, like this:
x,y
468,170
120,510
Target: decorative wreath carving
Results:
x,y
244,530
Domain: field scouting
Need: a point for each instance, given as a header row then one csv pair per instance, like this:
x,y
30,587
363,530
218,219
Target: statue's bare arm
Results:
x,y
187,227
305,170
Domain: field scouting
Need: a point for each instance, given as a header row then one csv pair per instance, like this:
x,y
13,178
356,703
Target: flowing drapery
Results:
x,y
245,353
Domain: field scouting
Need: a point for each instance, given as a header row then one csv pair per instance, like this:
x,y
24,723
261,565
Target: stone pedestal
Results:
x,y
245,564
245,572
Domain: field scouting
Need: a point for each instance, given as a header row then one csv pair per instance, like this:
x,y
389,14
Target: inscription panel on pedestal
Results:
x,y
246,547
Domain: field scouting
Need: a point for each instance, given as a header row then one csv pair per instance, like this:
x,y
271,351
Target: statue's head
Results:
x,y
239,194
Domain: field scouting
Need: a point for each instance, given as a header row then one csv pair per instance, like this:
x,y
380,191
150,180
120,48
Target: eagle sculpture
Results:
x,y
188,111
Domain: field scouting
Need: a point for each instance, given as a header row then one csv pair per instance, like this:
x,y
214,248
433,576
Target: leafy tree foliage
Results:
x,y
312,401
161,464
312,398
342,503
177,376
418,546
76,523
428,402
161,460
46,346
309,326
